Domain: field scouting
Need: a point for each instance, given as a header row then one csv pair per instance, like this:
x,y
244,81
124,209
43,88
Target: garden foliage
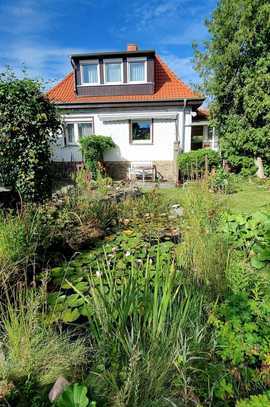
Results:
x,y
28,125
158,310
74,396
261,400
93,147
222,181
192,164
234,67
33,351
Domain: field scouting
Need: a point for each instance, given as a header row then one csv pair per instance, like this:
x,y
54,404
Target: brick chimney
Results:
x,y
132,47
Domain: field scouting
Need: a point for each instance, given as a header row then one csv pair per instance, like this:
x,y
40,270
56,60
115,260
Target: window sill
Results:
x,y
90,84
137,82
115,84
144,143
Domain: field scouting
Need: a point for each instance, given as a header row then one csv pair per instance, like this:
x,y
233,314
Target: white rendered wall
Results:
x,y
164,136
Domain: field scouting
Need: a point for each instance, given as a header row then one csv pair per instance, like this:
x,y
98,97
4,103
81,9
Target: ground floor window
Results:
x,y
75,130
70,135
85,129
141,132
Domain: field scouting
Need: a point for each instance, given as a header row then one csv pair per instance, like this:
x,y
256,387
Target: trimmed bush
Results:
x,y
192,164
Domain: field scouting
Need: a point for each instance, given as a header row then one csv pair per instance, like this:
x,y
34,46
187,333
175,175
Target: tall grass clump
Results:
x,y
13,243
146,329
22,234
203,252
32,351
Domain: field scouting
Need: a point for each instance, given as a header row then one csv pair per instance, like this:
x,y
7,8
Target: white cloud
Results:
x,y
146,15
24,17
43,62
26,24
192,32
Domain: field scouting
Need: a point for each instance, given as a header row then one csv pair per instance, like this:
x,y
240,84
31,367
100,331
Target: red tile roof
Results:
x,y
167,87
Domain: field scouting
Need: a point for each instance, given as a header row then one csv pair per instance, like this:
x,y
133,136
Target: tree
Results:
x,y
28,125
234,65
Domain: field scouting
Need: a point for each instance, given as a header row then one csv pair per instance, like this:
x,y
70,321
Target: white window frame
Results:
x,y
75,120
141,142
90,62
68,143
113,61
141,59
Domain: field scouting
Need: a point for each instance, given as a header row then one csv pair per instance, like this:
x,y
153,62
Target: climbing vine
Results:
x,y
93,147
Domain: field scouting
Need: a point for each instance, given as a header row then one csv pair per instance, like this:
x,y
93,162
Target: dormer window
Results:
x,y
113,71
137,70
90,73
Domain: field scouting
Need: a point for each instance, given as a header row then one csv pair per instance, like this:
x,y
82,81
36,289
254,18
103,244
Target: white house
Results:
x,y
136,99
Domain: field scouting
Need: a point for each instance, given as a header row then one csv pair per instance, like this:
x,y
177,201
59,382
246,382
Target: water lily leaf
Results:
x,y
57,271
86,310
82,286
74,300
70,315
55,298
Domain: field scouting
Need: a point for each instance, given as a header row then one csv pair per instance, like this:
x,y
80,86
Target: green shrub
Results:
x,y
250,233
28,125
243,340
93,147
32,351
223,181
242,165
240,276
192,164
260,400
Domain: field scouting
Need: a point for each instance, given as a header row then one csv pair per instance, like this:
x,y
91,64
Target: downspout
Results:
x,y
183,125
179,144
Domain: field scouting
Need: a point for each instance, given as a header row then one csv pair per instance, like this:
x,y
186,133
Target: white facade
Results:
x,y
167,127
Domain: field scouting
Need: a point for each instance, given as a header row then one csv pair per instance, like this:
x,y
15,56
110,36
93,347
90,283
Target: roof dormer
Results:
x,y
129,72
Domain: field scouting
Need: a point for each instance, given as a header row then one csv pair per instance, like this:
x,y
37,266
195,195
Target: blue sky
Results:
x,y
43,33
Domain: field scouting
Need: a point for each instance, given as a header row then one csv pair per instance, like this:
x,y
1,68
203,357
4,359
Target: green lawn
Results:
x,y
252,195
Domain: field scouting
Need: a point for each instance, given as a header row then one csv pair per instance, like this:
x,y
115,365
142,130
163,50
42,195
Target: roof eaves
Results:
x,y
198,100
116,53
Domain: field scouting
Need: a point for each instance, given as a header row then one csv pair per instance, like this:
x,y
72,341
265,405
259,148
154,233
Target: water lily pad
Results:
x,y
70,315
